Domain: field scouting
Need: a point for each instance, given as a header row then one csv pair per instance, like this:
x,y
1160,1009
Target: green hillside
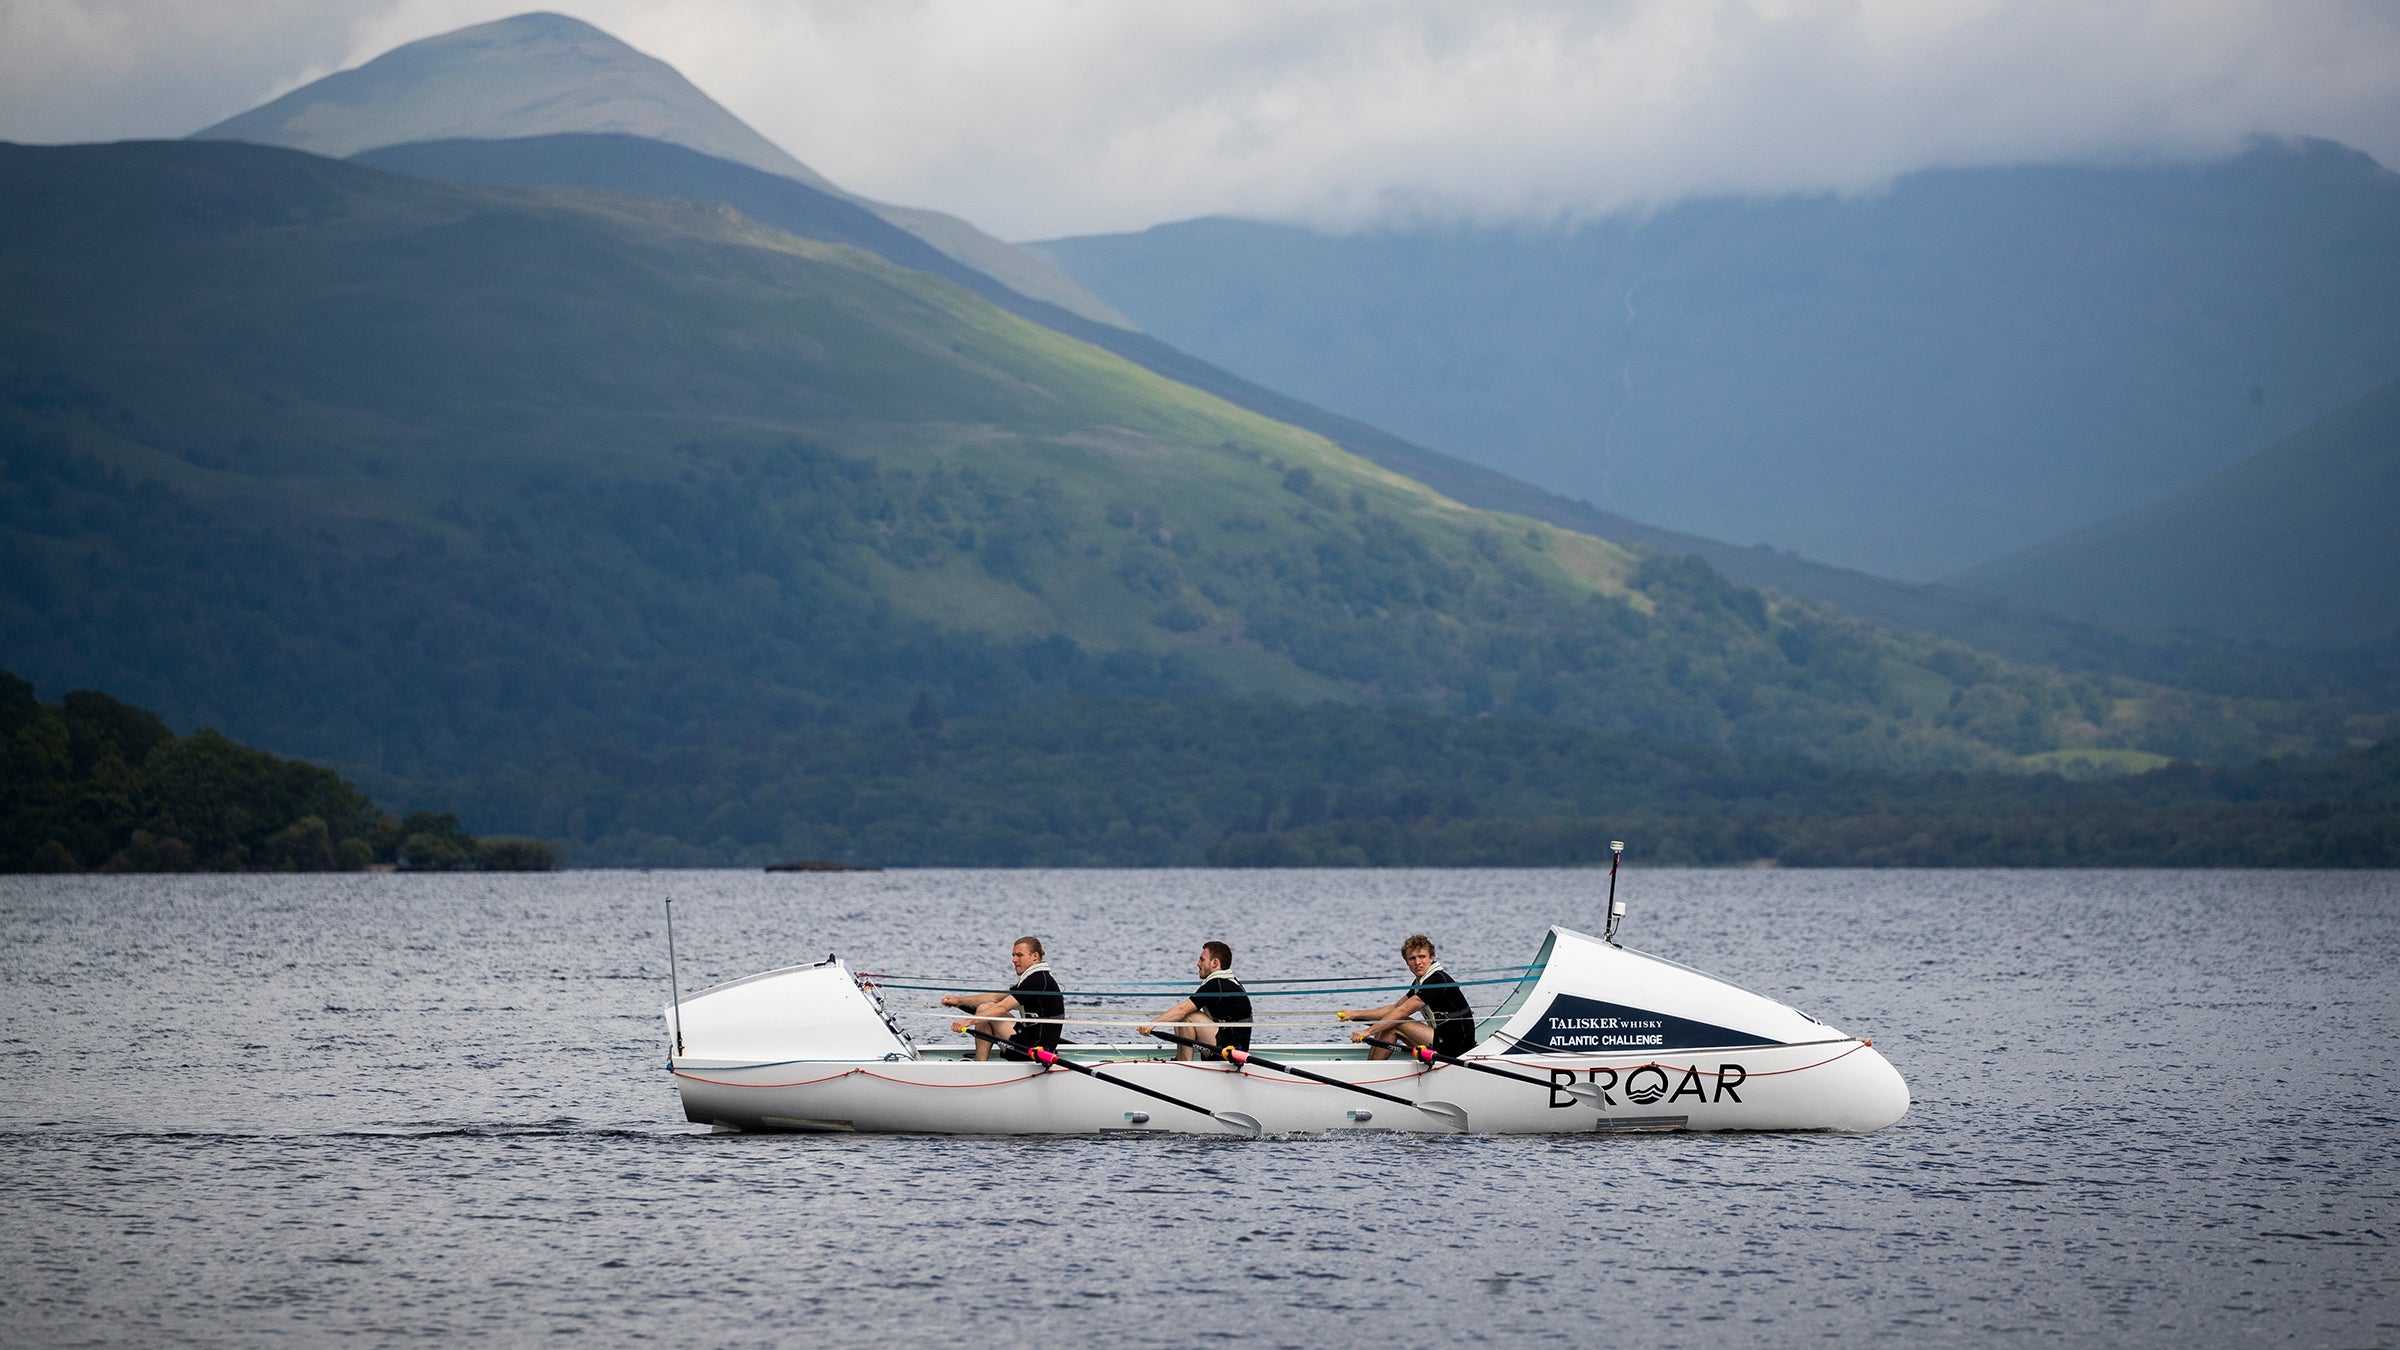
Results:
x,y
638,167
540,74
427,481
2298,544
508,88
1261,783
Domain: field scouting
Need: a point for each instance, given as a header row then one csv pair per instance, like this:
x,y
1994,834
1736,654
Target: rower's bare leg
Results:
x,y
1201,1028
991,1023
1411,1033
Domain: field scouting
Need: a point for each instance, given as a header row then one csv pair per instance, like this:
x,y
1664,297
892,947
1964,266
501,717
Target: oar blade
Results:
x,y
1585,1093
1241,1122
1453,1116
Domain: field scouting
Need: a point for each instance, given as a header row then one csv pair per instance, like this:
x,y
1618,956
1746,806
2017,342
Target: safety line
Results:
x,y
1321,987
1506,974
1292,1017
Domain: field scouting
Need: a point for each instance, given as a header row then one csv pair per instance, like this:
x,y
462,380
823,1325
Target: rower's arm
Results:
x,y
973,1001
1395,1015
1370,1014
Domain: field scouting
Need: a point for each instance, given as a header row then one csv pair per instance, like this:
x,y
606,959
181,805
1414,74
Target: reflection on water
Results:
x,y
2151,1107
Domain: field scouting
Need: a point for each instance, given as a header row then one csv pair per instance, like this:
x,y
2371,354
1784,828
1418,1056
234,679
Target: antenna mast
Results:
x,y
1616,909
674,985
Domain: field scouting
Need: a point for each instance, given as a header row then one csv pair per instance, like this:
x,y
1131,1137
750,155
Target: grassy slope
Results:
x,y
2296,544
426,471
421,338
636,166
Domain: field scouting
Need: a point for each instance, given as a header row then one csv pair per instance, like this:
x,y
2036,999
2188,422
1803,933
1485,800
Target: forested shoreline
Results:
x,y
95,784
91,784
1199,783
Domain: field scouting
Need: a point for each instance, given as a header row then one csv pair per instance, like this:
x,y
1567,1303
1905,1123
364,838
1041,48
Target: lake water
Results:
x,y
2151,1108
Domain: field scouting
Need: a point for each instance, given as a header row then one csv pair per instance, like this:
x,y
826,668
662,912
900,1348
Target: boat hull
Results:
x,y
1827,1085
1659,1046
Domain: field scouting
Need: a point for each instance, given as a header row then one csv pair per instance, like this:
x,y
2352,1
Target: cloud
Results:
x,y
1042,117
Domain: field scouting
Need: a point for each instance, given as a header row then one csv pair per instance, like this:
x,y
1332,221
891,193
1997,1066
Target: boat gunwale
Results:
x,y
1329,1052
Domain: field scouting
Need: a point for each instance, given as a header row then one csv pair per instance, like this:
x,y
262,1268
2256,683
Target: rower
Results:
x,y
1034,995
1218,1013
1449,1025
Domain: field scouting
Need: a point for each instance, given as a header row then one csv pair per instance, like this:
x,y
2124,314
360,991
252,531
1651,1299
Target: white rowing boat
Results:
x,y
1591,1037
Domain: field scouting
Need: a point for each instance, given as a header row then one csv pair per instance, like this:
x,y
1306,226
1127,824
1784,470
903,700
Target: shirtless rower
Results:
x,y
1218,1012
1034,995
1449,1025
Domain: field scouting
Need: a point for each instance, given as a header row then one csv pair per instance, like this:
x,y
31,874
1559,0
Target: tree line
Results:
x,y
1260,783
90,783
94,784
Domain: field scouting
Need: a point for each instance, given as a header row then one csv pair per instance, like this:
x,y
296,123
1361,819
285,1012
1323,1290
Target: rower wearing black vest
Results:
x,y
1218,1012
1034,995
1449,1025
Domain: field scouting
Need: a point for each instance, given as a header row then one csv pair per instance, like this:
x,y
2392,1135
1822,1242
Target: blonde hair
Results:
x,y
1033,942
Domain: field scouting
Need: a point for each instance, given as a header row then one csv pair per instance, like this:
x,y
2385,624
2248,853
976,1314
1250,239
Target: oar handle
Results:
x,y
1413,1051
1051,1059
1001,1041
1204,1047
1432,1056
1246,1059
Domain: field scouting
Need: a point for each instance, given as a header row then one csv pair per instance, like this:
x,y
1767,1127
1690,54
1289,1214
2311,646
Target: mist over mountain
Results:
x,y
1907,383
2298,544
542,74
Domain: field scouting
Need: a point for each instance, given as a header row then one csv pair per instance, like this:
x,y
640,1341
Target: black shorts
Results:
x,y
1454,1038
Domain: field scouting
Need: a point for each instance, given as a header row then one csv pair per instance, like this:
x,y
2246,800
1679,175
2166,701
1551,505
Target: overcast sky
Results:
x,y
1044,117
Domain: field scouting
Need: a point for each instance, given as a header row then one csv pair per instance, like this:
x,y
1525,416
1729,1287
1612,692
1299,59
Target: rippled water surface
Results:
x,y
2151,1108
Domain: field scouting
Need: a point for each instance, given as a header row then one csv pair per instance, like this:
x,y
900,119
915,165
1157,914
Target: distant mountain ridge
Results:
x,y
1907,383
516,470
587,78
620,163
542,70
540,74
2298,544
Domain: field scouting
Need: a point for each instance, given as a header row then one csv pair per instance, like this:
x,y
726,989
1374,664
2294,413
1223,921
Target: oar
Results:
x,y
1452,1116
1582,1092
1050,1059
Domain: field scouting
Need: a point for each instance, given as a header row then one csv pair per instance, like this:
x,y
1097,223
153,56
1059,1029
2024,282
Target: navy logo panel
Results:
x,y
1576,1025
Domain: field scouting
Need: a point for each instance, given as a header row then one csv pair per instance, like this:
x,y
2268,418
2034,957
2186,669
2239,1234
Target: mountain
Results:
x,y
2297,544
425,481
541,74
607,85
631,164
1907,383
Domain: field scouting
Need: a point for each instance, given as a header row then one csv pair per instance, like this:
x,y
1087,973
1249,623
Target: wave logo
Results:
x,y
1646,1084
